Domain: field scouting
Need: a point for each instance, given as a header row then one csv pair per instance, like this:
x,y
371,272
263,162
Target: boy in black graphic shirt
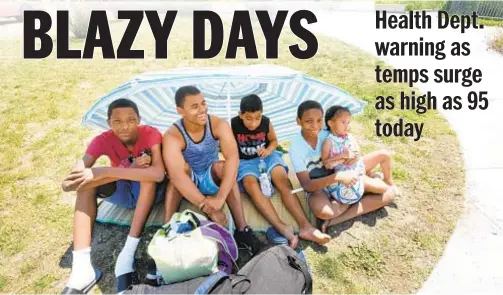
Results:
x,y
256,139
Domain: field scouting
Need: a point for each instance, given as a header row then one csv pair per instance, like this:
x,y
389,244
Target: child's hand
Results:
x,y
331,165
348,178
77,179
351,161
263,152
352,157
215,203
142,162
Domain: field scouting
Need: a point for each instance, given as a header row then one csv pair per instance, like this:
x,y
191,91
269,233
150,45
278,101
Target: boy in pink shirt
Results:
x,y
135,180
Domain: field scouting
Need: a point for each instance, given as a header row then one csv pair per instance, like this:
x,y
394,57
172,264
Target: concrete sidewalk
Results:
x,y
473,259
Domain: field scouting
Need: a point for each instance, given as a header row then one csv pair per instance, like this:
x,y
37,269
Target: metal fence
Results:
x,y
487,9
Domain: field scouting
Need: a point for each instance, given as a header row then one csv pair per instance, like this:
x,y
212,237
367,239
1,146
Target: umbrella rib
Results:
x,y
221,90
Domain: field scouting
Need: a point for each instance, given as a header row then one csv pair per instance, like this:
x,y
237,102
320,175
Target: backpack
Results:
x,y
277,270
217,283
190,246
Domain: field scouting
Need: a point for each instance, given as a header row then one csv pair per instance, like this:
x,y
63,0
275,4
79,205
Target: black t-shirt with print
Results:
x,y
249,141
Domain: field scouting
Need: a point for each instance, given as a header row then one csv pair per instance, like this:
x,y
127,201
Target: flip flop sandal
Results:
x,y
125,281
97,278
274,237
151,277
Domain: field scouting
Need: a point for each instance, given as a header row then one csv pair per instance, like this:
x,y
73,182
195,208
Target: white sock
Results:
x,y
82,269
126,257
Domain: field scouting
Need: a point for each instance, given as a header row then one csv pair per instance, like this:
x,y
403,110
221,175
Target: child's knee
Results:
x,y
325,213
279,172
249,182
385,154
249,179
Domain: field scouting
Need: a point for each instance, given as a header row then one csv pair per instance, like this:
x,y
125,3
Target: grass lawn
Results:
x,y
489,22
390,251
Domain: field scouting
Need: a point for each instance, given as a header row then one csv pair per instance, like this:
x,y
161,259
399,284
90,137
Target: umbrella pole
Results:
x,y
298,190
228,105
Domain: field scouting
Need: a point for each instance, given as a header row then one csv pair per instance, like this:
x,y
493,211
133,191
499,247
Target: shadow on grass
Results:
x,y
107,243
369,219
335,231
303,245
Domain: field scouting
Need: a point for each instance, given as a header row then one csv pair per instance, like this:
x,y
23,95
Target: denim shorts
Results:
x,y
205,182
125,193
250,167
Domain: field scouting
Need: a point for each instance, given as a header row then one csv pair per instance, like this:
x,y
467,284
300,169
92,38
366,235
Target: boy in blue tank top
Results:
x,y
190,153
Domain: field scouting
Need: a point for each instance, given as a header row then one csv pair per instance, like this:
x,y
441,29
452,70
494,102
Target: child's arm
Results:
x,y
348,178
273,143
330,162
325,153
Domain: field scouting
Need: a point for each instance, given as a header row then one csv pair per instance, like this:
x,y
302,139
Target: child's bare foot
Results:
x,y
395,190
311,233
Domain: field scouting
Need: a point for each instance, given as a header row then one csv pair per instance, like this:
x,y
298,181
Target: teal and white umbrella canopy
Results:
x,y
281,90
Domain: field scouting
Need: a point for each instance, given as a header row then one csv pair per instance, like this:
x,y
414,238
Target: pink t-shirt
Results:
x,y
110,145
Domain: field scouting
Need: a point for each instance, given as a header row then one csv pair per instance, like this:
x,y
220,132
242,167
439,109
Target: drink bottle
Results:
x,y
265,182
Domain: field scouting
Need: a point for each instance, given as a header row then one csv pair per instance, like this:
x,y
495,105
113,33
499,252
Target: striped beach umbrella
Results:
x,y
281,90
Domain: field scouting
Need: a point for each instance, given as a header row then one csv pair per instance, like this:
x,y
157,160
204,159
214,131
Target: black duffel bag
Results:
x,y
277,270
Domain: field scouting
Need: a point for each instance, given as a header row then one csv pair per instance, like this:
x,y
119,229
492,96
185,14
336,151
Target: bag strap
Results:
x,y
194,221
307,276
211,282
293,262
239,280
194,217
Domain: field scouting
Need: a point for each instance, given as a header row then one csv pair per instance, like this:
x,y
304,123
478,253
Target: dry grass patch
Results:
x,y
496,42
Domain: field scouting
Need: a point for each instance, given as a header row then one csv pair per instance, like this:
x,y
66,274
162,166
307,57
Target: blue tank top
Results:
x,y
199,155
